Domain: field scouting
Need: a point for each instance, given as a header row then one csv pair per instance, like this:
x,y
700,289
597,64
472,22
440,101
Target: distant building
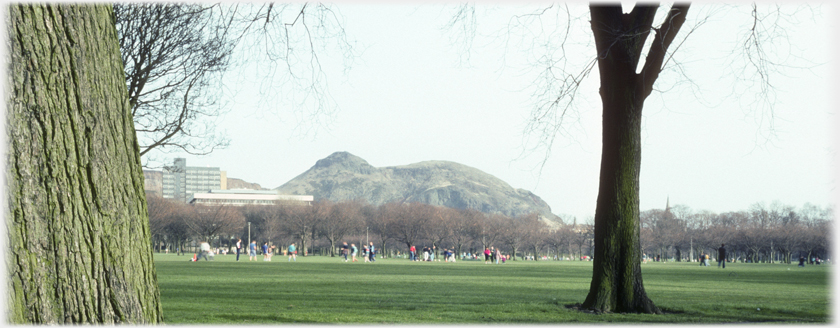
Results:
x,y
241,197
181,181
153,182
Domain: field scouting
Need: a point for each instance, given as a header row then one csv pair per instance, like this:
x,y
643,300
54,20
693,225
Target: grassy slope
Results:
x,y
327,290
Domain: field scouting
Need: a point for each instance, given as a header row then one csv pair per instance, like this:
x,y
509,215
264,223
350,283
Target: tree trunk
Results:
x,y
77,222
616,279
619,39
302,244
384,247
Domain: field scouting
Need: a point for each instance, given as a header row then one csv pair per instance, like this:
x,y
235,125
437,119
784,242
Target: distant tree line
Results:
x,y
774,233
761,234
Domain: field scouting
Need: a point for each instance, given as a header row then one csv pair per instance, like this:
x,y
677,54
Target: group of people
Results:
x,y
493,255
203,251
814,260
349,252
267,251
704,258
429,254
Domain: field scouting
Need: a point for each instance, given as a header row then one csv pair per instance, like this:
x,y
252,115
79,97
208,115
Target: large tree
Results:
x,y
342,220
296,223
514,234
559,239
208,222
406,221
619,40
630,53
161,223
461,223
177,56
438,226
78,229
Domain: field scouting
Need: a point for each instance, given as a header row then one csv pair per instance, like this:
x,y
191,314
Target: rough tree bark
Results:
x,y
619,39
77,222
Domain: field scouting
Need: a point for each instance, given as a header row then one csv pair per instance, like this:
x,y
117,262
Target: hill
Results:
x,y
234,183
343,176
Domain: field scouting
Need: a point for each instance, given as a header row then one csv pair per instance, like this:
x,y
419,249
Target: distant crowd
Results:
x,y
491,255
350,252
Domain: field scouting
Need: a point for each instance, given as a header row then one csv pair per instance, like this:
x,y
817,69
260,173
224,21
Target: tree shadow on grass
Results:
x,y
260,318
580,308
665,312
721,318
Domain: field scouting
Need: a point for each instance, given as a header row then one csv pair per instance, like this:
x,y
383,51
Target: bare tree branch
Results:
x,y
177,56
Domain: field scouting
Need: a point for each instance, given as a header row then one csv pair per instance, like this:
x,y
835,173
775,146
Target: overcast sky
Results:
x,y
415,95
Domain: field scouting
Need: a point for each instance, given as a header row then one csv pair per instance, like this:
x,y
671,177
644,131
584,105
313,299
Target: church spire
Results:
x,y
668,204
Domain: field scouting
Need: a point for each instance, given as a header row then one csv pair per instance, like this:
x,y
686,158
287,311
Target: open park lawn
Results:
x,y
327,290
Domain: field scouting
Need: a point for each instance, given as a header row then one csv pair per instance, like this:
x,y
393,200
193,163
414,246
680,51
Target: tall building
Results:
x,y
153,182
181,181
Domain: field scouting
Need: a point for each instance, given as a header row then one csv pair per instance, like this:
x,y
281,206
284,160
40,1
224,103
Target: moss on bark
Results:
x,y
617,279
77,221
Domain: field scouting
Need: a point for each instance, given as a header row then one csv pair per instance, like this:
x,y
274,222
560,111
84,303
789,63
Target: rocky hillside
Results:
x,y
343,176
234,183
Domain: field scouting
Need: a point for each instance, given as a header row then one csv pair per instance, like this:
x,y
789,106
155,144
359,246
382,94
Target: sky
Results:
x,y
415,94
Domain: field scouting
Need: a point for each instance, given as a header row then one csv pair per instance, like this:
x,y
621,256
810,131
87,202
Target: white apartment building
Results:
x,y
181,182
241,197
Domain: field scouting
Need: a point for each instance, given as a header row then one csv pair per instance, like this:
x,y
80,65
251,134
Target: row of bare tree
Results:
x,y
324,225
762,233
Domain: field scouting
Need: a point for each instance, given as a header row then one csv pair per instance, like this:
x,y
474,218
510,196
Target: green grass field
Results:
x,y
328,290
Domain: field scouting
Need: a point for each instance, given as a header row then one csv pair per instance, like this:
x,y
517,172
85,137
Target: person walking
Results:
x,y
203,250
425,253
412,253
365,253
252,251
432,253
345,250
372,251
486,255
706,260
354,250
492,254
238,248
292,253
722,256
265,251
496,255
